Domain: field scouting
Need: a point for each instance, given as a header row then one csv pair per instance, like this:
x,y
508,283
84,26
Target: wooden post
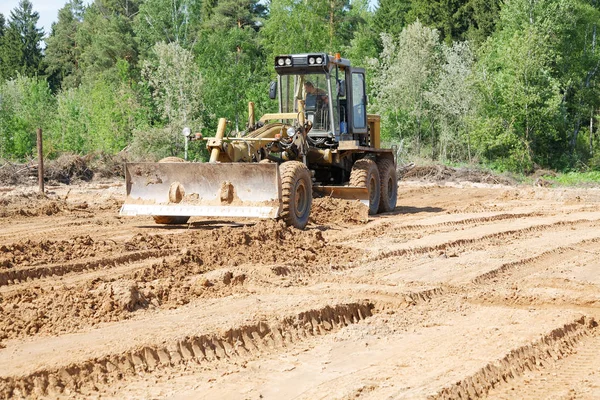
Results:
x,y
40,160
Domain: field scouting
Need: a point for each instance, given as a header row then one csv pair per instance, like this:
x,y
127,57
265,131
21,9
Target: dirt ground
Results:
x,y
467,290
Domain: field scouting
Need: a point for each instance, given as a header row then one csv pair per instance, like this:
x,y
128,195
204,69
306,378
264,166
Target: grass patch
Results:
x,y
587,179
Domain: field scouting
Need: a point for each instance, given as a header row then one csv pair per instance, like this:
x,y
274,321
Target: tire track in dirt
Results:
x,y
557,344
484,241
17,276
237,343
390,229
527,265
170,283
574,376
29,260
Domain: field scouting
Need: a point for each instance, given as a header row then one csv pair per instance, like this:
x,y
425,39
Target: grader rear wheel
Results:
x,y
296,193
167,219
389,185
365,174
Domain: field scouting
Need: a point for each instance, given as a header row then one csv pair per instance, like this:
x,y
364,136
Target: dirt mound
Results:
x,y
12,174
442,173
28,252
329,210
29,204
68,168
273,242
107,165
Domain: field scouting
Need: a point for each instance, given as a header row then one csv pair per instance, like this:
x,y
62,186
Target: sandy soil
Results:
x,y
466,290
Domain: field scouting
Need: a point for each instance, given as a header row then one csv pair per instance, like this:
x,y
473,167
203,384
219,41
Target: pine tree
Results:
x,y
227,14
390,16
20,49
106,35
62,52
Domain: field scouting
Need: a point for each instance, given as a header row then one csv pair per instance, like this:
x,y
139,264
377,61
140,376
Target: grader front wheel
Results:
x,y
365,174
296,193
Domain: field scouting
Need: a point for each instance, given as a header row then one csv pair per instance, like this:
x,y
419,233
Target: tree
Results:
x,y
454,97
62,50
405,72
521,122
99,115
176,86
227,14
27,104
168,21
106,35
390,16
20,49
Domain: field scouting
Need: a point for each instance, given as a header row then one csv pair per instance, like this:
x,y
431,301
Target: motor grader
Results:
x,y
321,141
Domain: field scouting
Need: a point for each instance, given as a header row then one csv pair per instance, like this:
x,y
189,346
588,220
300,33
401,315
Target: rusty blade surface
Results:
x,y
202,189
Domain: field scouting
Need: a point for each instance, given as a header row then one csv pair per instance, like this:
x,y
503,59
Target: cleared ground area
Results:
x,y
466,290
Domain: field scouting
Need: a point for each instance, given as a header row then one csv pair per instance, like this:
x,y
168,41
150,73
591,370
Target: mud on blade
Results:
x,y
202,189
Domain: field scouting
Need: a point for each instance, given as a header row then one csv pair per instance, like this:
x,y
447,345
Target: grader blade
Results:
x,y
345,192
202,189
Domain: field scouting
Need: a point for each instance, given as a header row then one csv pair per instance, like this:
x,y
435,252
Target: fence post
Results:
x,y
40,160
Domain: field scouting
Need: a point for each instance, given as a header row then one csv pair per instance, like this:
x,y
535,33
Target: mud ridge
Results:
x,y
16,276
245,342
566,252
515,234
555,345
387,301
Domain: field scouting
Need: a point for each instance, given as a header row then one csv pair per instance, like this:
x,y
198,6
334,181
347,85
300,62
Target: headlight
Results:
x,y
319,60
291,132
288,61
311,60
280,62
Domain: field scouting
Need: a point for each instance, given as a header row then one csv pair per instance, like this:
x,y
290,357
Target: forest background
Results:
x,y
509,84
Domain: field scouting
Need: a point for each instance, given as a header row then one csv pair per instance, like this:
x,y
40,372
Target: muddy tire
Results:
x,y
171,220
365,174
296,193
389,185
168,220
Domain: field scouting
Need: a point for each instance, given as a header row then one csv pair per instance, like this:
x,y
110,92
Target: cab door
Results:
x,y
357,98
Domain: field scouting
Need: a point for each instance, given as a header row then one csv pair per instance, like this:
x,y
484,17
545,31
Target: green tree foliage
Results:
x,y
534,74
233,65
99,115
106,35
176,87
168,21
26,104
298,26
454,19
62,50
390,16
454,99
406,71
20,49
235,13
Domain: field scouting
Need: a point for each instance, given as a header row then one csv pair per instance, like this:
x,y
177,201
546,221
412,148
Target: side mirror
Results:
x,y
341,88
273,90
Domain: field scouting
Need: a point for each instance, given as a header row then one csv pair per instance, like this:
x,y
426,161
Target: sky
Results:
x,y
48,10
